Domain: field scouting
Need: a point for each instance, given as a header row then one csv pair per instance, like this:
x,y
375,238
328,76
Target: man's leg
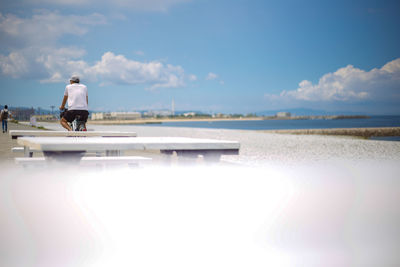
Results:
x,y
65,124
3,124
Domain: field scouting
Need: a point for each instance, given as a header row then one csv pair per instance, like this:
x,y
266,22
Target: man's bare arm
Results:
x,y
64,101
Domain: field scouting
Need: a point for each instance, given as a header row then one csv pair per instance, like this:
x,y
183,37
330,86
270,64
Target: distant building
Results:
x,y
100,116
22,114
96,116
219,115
126,115
283,114
189,114
44,117
116,116
155,113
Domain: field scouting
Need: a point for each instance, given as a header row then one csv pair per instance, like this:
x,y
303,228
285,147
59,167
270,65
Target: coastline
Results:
x,y
207,119
159,121
362,132
356,132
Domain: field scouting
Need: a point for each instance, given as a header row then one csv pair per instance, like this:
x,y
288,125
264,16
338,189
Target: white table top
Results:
x,y
126,143
20,133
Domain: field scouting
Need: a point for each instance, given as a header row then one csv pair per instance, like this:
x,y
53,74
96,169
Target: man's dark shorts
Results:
x,y
70,115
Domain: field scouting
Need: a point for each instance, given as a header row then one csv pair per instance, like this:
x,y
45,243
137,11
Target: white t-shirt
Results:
x,y
77,94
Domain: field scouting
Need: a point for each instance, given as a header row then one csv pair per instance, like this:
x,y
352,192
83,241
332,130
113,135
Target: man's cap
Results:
x,y
74,79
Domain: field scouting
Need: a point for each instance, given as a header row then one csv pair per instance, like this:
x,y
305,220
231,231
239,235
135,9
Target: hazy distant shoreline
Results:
x,y
366,131
158,121
161,120
363,132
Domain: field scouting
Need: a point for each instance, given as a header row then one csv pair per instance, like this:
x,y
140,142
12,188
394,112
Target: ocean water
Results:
x,y
374,121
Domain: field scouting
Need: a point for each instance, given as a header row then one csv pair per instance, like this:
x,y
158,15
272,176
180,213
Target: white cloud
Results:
x,y
140,5
192,77
120,70
35,54
45,64
211,76
31,44
349,85
61,63
139,53
14,64
44,28
58,64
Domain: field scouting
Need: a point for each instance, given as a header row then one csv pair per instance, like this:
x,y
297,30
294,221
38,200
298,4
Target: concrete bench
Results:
x,y
17,149
63,148
23,133
29,153
15,134
88,161
21,149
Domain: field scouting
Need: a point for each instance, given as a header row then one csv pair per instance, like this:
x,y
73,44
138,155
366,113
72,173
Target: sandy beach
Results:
x,y
263,148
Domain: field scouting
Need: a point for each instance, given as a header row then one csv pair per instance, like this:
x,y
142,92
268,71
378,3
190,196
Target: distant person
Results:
x,y
4,117
77,96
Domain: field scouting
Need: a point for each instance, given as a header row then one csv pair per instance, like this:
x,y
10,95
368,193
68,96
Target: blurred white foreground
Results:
x,y
326,215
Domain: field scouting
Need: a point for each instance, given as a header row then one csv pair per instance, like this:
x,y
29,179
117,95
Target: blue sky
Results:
x,y
214,56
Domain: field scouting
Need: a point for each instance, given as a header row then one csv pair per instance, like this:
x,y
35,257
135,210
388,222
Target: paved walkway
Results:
x,y
6,143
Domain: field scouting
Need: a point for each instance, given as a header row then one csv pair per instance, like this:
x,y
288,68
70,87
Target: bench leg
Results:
x,y
212,157
191,156
113,153
27,152
63,156
187,157
167,159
